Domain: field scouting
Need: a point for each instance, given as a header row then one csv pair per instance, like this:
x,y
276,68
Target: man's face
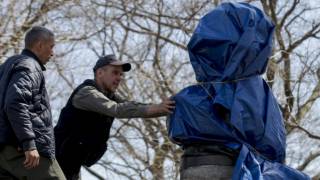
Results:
x,y
45,50
110,77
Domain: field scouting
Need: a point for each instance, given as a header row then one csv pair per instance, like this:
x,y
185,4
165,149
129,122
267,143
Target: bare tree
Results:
x,y
294,71
159,32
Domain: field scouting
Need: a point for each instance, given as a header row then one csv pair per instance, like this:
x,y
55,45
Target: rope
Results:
x,y
218,82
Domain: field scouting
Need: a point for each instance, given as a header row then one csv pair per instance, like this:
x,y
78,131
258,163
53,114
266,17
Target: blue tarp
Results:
x,y
229,51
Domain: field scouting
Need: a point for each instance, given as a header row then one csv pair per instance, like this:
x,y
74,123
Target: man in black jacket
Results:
x,y
27,149
84,124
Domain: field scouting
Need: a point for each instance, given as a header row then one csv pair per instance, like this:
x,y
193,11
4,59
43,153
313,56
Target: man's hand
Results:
x,y
32,159
166,107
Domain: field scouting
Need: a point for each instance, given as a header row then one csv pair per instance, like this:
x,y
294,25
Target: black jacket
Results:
x,y
81,134
25,115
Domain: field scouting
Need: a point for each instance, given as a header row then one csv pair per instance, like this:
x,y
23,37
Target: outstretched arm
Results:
x,y
165,108
90,99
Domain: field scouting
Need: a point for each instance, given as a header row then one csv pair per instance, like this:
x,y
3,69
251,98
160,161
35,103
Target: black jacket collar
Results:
x,y
29,53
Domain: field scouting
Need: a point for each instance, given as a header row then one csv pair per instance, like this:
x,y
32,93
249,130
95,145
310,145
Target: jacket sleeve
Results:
x,y
17,101
90,99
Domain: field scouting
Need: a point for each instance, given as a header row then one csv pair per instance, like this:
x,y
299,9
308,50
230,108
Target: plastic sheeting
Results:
x,y
229,51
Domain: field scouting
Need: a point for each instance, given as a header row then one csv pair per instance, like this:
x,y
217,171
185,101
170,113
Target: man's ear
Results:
x,y
37,46
99,72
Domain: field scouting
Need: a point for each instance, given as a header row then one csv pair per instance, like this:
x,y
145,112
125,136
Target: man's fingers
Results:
x,y
27,161
169,109
38,161
35,162
28,164
169,101
171,106
32,159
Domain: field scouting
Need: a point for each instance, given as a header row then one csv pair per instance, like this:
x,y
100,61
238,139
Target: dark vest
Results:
x,y
83,132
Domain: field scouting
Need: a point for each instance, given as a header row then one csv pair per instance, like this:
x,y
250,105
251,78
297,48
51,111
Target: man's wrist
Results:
x,y
28,145
155,111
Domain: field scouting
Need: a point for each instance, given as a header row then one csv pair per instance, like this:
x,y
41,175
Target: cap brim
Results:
x,y
125,65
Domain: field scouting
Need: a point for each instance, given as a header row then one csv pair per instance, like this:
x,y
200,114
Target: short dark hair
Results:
x,y
36,34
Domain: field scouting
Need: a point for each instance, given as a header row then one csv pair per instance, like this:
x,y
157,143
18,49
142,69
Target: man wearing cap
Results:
x,y
84,123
